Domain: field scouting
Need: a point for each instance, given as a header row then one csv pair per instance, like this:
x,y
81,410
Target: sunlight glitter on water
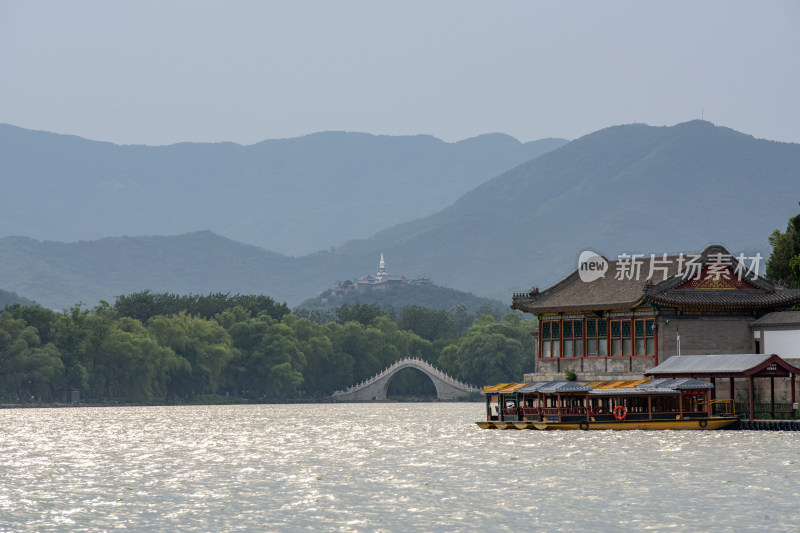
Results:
x,y
379,467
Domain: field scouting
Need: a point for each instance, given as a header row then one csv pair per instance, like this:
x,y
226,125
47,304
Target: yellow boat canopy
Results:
x,y
630,384
511,388
494,389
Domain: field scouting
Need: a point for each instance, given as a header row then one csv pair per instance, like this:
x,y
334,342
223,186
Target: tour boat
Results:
x,y
643,404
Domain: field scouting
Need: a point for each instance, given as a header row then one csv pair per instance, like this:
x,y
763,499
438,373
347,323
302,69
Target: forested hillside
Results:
x,y
10,298
430,296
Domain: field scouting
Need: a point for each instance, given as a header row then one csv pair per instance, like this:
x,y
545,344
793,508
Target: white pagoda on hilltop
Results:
x,y
381,281
382,272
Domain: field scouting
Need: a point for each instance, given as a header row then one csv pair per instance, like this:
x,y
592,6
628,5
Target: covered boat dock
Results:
x,y
732,367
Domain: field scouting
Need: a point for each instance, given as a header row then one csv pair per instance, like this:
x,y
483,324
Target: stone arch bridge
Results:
x,y
374,389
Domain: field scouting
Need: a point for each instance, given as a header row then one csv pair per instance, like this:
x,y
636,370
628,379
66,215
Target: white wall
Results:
x,y
785,343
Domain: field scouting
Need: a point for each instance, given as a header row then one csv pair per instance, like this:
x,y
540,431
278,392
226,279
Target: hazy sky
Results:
x,y
160,72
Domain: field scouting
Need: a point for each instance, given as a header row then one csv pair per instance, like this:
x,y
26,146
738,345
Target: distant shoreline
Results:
x,y
57,405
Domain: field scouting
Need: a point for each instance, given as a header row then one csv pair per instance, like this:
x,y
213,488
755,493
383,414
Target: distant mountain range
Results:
x,y
632,188
292,196
624,189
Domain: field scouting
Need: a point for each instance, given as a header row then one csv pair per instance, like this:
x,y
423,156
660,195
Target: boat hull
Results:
x,y
685,424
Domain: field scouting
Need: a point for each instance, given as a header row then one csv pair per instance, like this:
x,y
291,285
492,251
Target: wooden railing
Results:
x,y
764,410
719,408
723,406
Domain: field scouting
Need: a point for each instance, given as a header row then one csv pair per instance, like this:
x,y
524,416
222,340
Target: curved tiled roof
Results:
x,y
677,384
631,391
780,318
749,298
667,287
608,291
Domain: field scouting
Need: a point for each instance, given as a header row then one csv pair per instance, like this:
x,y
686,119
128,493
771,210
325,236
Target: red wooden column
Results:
x,y
655,338
561,410
540,405
588,409
752,401
793,396
772,396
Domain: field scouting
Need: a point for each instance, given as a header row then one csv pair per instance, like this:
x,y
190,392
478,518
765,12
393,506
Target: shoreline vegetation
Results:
x,y
223,400
166,349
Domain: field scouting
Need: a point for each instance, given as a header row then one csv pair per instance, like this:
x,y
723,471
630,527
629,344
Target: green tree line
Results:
x,y
164,348
783,265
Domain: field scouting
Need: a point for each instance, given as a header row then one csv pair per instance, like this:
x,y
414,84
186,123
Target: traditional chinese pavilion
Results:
x,y
647,309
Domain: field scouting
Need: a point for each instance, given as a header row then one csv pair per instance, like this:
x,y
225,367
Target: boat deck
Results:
x,y
735,425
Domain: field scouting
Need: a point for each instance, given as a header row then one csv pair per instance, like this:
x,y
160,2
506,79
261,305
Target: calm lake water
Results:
x,y
381,467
